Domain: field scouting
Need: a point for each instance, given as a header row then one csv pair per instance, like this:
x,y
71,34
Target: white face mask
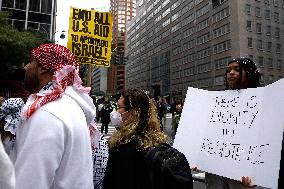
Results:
x,y
116,119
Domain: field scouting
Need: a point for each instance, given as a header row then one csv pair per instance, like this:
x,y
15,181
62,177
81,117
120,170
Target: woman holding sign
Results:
x,y
241,73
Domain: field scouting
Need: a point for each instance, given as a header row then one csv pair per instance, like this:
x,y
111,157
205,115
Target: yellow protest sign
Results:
x,y
90,36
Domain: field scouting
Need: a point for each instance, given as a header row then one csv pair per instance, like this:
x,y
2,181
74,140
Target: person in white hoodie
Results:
x,y
7,174
53,146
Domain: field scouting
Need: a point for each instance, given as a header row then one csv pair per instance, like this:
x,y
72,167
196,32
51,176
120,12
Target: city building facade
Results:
x,y
99,80
123,11
174,44
36,15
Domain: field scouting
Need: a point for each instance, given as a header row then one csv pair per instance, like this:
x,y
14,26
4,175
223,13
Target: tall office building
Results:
x,y
99,80
123,11
31,14
174,44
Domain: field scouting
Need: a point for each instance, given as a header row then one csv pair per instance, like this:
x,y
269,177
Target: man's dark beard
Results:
x,y
31,84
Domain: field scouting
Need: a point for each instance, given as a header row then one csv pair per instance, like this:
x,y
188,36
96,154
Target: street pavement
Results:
x,y
111,130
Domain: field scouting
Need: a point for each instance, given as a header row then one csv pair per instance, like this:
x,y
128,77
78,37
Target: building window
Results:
x,y
203,53
268,30
250,42
220,15
188,20
278,48
257,12
270,63
261,78
189,45
219,80
250,56
188,32
175,16
221,63
202,25
200,12
167,22
8,3
166,12
21,4
222,47
177,50
157,29
279,64
203,38
269,46
32,25
176,27
266,2
248,8
221,31
188,7
158,19
175,5
270,78
34,5
258,28
260,61
276,17
267,14
248,25
215,3
157,9
165,3
277,32
259,44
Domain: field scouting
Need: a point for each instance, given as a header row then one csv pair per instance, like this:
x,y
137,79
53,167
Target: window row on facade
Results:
x,y
267,13
216,49
269,62
202,68
216,33
263,28
220,31
205,9
42,6
264,45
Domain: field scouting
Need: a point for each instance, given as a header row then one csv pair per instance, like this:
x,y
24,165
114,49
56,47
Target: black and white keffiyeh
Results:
x,y
10,113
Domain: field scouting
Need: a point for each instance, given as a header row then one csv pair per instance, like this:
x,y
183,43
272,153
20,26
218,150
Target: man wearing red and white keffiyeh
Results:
x,y
53,145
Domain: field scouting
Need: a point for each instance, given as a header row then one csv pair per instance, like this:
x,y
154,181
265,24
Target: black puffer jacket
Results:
x,y
125,168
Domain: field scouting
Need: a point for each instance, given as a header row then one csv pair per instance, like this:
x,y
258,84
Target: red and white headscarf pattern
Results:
x,y
59,60
54,57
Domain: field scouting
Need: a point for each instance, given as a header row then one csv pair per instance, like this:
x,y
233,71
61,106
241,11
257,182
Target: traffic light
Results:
x,y
120,59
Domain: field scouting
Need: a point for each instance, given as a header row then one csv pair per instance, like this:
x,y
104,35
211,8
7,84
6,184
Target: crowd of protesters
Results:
x,y
53,140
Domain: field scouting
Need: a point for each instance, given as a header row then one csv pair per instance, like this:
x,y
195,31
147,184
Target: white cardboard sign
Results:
x,y
234,133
